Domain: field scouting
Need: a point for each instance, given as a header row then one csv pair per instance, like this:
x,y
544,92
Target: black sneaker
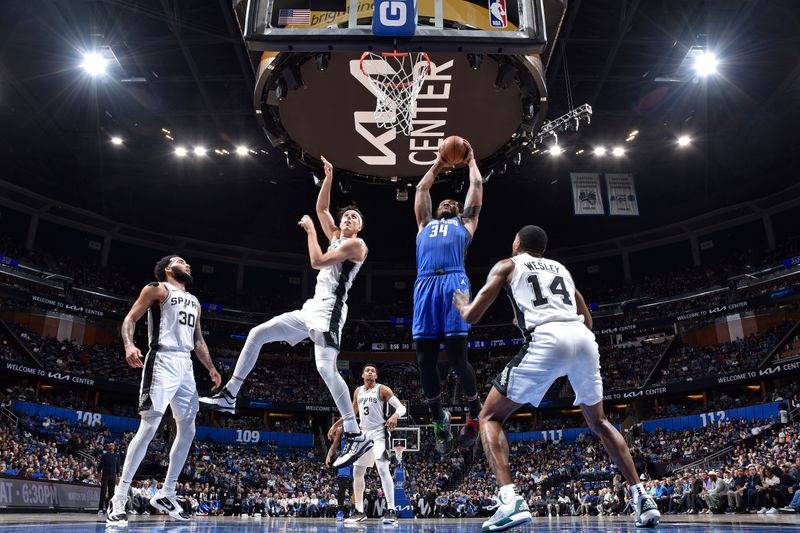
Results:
x,y
355,518
355,445
444,437
389,517
222,401
116,514
469,433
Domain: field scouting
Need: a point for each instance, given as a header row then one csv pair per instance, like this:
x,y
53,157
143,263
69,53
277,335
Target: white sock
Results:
x,y
325,357
637,491
358,487
387,483
137,448
507,492
178,453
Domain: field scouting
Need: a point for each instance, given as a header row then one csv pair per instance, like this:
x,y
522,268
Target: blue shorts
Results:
x,y
435,316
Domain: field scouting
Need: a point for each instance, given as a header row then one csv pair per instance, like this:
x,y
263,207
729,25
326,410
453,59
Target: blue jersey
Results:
x,y
442,247
347,471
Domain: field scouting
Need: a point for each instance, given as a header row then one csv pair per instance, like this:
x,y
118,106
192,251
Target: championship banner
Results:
x,y
622,199
587,199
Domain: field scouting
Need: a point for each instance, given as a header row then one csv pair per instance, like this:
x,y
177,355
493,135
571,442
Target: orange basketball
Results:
x,y
453,150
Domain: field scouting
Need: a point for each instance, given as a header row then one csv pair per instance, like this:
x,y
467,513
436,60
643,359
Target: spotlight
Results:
x,y
94,64
475,60
505,76
556,150
634,133
706,64
684,140
200,151
322,60
579,152
116,141
600,151
618,151
242,150
180,151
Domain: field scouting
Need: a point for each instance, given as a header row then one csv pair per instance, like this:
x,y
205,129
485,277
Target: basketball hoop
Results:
x,y
396,79
398,452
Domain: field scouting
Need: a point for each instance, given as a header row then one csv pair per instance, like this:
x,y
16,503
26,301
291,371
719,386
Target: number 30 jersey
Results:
x,y
171,322
542,291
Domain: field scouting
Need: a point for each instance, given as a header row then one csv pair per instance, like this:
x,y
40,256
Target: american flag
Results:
x,y
294,16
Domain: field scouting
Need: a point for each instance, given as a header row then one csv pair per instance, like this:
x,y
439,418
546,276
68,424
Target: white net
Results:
x,y
396,79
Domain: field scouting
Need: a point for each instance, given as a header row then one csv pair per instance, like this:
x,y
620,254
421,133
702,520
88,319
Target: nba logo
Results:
x,y
497,14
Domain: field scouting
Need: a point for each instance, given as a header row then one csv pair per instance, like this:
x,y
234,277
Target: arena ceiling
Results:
x,y
181,68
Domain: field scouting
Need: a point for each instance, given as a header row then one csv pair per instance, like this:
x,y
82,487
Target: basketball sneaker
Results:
x,y
355,518
355,445
469,433
167,503
508,514
444,437
389,517
223,401
340,516
116,514
645,512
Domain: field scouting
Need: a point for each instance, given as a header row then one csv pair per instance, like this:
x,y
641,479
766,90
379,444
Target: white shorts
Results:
x,y
556,349
168,379
378,436
321,320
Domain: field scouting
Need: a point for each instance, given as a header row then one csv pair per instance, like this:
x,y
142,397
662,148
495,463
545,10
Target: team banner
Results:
x,y
587,198
622,199
54,495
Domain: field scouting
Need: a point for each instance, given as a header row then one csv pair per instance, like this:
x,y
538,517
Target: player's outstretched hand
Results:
x,y
215,377
133,356
471,154
306,223
327,166
460,300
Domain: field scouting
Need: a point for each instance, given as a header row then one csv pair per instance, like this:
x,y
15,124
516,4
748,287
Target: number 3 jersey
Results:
x,y
171,322
541,291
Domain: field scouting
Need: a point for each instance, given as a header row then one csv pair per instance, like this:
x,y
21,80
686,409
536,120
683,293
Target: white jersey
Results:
x,y
371,409
336,280
542,291
171,322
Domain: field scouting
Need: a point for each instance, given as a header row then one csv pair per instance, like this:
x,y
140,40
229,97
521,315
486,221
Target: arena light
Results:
x,y
706,64
684,140
180,151
600,151
618,151
200,151
556,150
116,141
242,150
94,64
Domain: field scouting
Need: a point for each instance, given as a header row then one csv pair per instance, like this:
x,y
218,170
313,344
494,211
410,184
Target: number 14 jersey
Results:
x,y
542,291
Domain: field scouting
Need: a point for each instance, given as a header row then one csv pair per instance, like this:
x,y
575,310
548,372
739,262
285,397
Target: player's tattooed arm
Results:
x,y
497,279
423,206
324,202
152,293
474,200
201,351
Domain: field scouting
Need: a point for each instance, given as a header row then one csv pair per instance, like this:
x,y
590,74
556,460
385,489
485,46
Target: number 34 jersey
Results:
x,y
171,322
542,291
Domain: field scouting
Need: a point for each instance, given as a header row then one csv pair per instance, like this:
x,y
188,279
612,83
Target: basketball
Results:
x,y
453,150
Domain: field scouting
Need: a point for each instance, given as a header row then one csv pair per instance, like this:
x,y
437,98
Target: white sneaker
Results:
x,y
515,512
101,512
763,510
116,514
355,445
771,510
167,503
222,401
645,512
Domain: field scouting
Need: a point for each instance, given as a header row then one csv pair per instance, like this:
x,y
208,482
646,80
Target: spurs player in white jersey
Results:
x,y
556,324
370,400
321,319
173,322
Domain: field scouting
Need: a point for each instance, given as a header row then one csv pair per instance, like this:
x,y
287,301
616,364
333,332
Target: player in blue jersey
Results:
x,y
442,243
344,476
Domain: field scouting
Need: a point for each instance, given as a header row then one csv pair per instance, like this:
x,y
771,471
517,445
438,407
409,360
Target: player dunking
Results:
x,y
557,326
173,319
321,319
370,400
442,244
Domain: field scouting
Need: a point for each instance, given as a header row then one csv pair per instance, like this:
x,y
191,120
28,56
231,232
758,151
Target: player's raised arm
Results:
x,y
351,249
152,293
498,278
324,203
583,309
423,207
474,201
